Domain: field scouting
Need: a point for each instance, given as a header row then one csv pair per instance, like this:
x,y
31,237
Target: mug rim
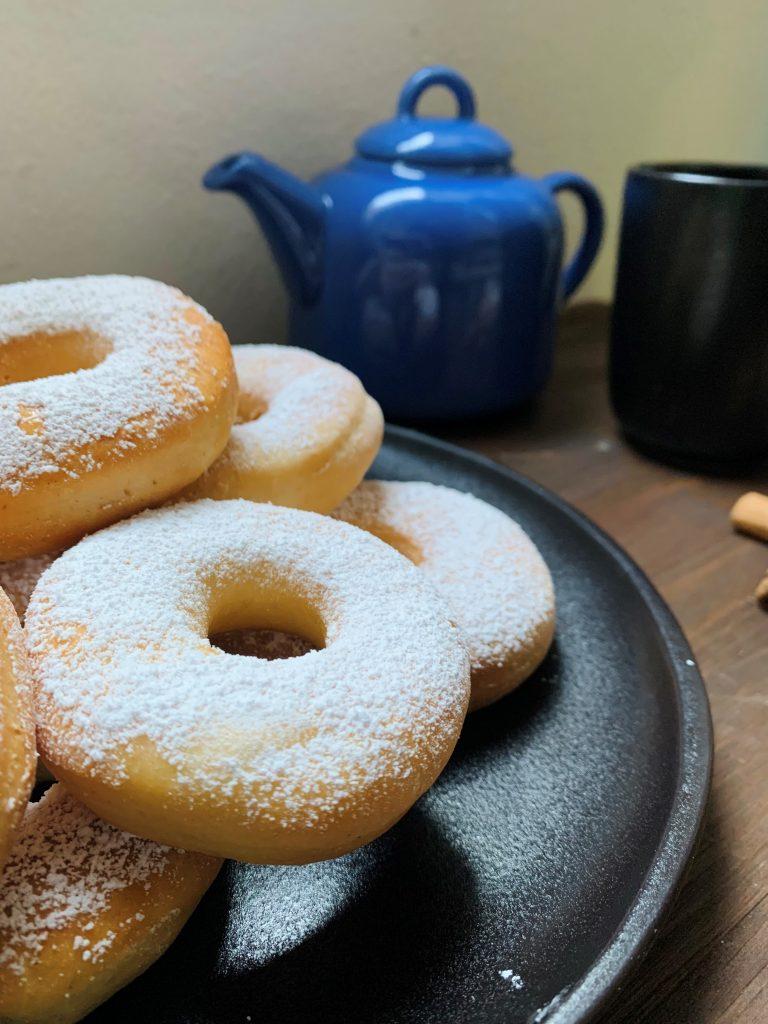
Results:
x,y
702,172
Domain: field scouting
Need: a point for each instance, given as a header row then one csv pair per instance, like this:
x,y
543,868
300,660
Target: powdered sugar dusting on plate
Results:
x,y
49,425
118,630
62,872
273,910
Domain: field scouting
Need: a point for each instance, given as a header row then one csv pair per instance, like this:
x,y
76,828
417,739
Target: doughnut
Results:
x,y
487,569
305,435
19,578
84,909
290,761
118,392
17,731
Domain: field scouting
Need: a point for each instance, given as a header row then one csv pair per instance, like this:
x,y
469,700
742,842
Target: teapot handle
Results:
x,y
584,256
438,74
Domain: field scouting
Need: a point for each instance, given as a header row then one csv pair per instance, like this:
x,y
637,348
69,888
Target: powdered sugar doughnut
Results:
x,y
18,579
118,391
306,432
17,731
85,908
284,761
487,569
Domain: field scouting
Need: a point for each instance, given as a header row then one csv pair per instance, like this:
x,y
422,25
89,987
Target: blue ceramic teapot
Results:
x,y
426,264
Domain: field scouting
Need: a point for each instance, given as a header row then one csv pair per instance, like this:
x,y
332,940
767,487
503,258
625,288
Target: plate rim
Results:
x,y
662,881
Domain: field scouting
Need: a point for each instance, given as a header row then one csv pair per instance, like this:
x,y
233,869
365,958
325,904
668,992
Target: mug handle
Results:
x,y
584,256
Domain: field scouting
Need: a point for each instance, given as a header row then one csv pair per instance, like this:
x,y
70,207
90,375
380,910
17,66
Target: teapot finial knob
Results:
x,y
438,74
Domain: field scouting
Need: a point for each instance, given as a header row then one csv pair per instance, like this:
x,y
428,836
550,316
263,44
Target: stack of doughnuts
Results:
x,y
220,639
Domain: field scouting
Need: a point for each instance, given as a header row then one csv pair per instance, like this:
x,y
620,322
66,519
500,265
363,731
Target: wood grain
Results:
x,y
710,961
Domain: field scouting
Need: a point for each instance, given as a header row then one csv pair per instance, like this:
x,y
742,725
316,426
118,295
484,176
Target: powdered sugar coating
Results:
x,y
305,435
484,565
63,870
118,630
306,402
50,424
19,578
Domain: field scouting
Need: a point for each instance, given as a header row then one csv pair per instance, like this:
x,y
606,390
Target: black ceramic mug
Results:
x,y
689,349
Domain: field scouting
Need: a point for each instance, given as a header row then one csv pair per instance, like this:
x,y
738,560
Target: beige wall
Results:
x,y
111,111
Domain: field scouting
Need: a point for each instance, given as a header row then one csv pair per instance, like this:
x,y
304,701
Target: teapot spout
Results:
x,y
290,212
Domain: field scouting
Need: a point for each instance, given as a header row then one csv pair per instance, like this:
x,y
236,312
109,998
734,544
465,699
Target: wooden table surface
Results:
x,y
710,960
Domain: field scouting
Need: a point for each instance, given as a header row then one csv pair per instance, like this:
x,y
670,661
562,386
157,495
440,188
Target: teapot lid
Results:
x,y
438,141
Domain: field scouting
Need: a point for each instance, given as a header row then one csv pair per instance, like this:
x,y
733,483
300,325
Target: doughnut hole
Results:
x,y
245,620
267,644
51,355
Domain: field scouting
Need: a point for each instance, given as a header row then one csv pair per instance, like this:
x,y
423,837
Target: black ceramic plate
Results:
x,y
525,883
